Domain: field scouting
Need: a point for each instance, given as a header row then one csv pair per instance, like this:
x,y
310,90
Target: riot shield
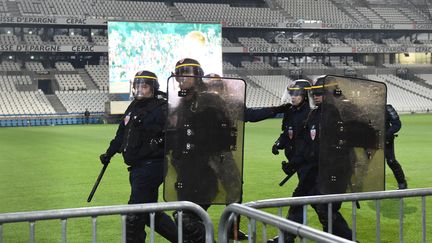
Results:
x,y
352,135
204,140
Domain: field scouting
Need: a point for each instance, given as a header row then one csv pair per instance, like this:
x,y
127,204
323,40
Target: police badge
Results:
x,y
313,132
290,133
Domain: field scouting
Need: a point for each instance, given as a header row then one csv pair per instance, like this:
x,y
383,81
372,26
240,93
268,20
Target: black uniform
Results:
x,y
306,160
393,125
259,114
292,123
202,130
139,138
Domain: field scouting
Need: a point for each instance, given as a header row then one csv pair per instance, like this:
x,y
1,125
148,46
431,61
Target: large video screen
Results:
x,y
156,47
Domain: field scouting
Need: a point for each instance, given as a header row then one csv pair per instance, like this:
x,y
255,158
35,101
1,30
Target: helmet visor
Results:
x,y
143,86
296,91
188,69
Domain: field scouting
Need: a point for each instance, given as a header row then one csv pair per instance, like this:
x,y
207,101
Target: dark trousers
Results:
x,y
307,187
392,162
145,181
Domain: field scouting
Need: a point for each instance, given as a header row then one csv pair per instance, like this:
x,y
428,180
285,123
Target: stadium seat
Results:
x,y
58,121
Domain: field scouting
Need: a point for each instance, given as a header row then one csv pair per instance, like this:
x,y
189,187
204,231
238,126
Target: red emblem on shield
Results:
x,y
313,133
290,132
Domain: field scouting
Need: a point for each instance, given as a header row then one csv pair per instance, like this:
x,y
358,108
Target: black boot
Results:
x,y
288,239
403,185
135,229
236,227
166,227
398,174
193,227
240,235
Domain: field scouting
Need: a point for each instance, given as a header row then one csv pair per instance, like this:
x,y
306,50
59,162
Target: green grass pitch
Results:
x,y
45,168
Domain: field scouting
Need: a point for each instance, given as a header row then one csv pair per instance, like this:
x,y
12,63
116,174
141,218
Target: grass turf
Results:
x,y
45,168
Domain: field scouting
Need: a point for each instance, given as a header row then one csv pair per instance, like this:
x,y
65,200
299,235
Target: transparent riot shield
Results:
x,y
352,135
204,140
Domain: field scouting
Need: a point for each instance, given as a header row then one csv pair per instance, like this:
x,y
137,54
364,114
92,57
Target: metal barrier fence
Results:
x,y
283,224
354,198
123,210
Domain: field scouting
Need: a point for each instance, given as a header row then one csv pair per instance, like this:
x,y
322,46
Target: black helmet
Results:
x,y
299,88
145,77
318,87
188,66
214,82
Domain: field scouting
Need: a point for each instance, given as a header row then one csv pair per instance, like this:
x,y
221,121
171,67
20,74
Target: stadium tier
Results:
x,y
66,62
50,48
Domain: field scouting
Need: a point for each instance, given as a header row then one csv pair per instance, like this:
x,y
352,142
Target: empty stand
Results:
x,y
228,66
8,39
100,40
275,84
78,101
32,39
402,99
70,82
426,77
34,66
210,12
391,15
256,65
323,10
9,66
24,102
131,10
64,66
99,75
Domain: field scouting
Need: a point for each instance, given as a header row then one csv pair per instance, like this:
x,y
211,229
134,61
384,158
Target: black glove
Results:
x,y
282,108
288,168
105,159
275,149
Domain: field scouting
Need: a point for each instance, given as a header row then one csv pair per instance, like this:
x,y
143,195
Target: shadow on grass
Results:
x,y
390,208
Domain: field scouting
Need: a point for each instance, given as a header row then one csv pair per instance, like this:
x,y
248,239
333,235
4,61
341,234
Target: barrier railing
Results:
x,y
249,210
283,224
123,210
354,198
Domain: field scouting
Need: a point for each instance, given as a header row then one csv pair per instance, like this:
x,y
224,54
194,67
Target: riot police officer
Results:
x,y
198,131
217,85
140,139
293,118
292,123
393,125
306,162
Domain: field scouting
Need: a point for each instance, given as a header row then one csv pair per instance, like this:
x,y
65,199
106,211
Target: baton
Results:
x,y
97,183
292,172
285,179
